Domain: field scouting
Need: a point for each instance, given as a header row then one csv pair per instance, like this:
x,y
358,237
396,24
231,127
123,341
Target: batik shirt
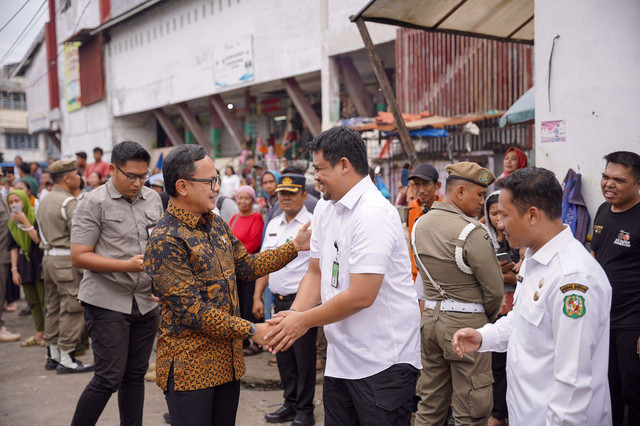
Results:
x,y
193,262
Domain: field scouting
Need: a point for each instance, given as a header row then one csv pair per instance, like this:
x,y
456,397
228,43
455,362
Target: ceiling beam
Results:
x,y
174,136
303,105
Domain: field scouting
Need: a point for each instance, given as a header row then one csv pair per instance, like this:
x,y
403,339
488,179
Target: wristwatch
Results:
x,y
253,330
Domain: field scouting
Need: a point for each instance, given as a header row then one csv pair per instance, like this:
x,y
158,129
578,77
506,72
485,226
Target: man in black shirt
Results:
x,y
616,246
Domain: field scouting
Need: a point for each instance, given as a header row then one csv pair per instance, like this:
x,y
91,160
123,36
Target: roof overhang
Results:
x,y
25,62
87,33
504,20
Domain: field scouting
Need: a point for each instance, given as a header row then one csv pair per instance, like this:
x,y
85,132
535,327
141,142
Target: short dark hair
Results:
x,y
292,170
491,200
180,164
25,168
454,181
57,177
232,169
537,187
627,159
339,142
81,154
128,151
98,149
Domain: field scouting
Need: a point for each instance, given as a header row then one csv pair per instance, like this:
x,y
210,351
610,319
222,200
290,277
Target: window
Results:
x,y
12,100
20,141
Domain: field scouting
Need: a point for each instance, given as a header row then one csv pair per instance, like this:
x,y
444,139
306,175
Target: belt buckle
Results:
x,y
281,297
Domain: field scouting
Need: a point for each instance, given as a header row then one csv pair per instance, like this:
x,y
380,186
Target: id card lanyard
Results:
x,y
335,270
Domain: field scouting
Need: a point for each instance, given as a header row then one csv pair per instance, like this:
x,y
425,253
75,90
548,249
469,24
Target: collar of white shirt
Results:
x,y
553,246
351,198
301,217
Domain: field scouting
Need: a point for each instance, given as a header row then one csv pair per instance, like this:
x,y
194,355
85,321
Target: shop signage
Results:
x,y
72,76
234,62
553,131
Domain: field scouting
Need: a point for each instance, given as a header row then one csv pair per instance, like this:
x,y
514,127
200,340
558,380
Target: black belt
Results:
x,y
287,298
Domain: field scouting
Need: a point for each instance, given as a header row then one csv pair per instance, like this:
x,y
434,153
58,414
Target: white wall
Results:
x,y
37,91
148,71
595,85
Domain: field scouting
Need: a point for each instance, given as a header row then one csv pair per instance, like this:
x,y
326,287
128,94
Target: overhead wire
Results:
x,y
27,28
14,15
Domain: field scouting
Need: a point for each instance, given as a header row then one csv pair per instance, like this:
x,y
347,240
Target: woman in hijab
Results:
x,y
26,259
514,159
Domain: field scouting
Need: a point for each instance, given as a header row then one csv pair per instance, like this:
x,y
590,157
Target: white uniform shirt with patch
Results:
x,y
369,237
557,338
286,281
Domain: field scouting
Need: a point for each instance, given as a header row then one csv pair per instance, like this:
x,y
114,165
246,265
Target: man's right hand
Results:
x,y
258,308
135,264
466,340
263,328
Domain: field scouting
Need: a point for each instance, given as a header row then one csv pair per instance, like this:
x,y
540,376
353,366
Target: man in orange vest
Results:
x,y
425,180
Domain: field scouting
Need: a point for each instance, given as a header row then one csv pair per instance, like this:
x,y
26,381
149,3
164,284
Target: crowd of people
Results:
x,y
482,308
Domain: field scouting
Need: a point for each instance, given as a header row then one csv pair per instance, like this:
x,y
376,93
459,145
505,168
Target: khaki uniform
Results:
x,y
64,322
446,379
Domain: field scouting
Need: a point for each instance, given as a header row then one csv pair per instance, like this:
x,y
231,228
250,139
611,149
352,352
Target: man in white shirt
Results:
x,y
361,272
297,366
557,336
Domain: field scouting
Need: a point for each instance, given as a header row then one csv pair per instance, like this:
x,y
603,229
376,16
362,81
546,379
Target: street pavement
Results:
x,y
30,395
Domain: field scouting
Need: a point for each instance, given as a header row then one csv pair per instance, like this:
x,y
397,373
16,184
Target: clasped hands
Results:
x,y
280,332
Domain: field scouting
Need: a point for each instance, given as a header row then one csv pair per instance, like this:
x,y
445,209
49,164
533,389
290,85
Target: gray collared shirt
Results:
x,y
118,229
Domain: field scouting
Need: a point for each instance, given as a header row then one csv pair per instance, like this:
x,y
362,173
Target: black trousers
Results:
x,y
624,375
382,399
499,367
216,406
121,344
297,367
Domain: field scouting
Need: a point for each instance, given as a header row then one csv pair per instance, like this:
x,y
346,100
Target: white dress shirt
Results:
x,y
286,280
557,338
367,232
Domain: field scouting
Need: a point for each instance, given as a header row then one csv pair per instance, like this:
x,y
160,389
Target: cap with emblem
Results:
x,y
471,172
291,183
426,172
62,166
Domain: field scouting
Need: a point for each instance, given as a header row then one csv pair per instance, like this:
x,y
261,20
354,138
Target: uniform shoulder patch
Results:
x,y
574,286
574,306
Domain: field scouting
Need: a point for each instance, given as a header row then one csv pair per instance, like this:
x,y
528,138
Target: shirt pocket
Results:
x,y
113,225
531,331
270,242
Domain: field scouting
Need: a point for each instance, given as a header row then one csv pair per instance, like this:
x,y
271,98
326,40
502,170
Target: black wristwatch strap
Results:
x,y
253,330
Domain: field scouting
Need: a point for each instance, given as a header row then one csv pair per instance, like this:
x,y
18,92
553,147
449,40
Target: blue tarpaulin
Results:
x,y
428,132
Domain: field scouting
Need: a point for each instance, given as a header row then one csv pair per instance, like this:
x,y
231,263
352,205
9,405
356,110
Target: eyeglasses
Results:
x,y
213,181
131,178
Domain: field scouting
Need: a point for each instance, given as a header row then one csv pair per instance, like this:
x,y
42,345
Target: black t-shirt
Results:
x,y
616,244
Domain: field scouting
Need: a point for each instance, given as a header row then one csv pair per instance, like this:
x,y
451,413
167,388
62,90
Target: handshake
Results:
x,y
280,332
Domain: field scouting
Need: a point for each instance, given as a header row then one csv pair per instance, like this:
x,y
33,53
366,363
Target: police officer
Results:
x,y
64,321
463,287
558,332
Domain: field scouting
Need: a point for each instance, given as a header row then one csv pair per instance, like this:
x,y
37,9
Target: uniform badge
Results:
x,y
574,306
484,177
597,229
571,287
287,181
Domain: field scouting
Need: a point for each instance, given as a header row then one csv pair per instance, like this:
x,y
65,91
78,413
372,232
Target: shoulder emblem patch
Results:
x,y
575,286
574,306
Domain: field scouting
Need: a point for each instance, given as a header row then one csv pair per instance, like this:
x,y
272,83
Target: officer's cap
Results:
x,y
471,172
291,183
425,171
62,166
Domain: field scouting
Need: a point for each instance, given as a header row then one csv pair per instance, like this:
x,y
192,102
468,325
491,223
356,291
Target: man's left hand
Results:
x,y
289,327
301,241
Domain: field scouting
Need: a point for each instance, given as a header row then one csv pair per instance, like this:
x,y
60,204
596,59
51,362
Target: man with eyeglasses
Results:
x,y
109,234
194,261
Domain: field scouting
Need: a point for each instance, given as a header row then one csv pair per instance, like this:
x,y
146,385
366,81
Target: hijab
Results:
x,y
21,237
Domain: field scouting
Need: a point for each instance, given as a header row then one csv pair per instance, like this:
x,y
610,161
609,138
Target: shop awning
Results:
x,y
522,111
506,20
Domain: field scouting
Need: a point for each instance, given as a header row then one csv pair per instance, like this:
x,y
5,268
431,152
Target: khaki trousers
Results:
x,y
64,322
445,379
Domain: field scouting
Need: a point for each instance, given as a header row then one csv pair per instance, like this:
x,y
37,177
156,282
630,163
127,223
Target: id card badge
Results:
x,y
335,270
150,228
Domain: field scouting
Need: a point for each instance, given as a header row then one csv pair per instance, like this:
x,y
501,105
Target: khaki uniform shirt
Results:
x,y
118,229
55,228
436,239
